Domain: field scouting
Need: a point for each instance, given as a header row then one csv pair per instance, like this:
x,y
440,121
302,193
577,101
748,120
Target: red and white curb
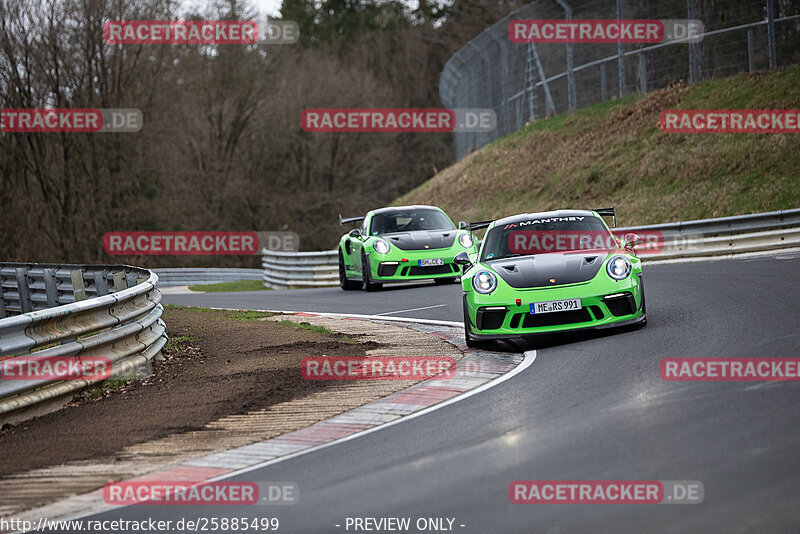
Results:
x,y
477,371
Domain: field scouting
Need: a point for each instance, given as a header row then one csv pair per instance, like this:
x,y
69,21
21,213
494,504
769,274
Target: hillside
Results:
x,y
615,154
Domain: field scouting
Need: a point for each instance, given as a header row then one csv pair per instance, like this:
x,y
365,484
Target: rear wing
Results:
x,y
479,224
607,212
349,219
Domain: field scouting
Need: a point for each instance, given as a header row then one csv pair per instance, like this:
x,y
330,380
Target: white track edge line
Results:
x,y
528,359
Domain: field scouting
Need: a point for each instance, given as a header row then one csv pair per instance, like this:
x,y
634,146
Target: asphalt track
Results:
x,y
591,407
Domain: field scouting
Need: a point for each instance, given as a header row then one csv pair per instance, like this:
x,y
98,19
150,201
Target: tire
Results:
x,y
344,283
471,343
443,281
366,284
644,308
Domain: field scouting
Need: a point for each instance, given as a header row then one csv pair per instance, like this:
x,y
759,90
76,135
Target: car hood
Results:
x,y
422,239
549,270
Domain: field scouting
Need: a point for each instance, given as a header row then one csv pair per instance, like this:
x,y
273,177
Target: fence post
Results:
x,y
603,88
548,98
642,73
694,75
751,53
620,55
572,95
773,54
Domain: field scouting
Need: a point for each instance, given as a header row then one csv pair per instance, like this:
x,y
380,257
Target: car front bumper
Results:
x,y
605,304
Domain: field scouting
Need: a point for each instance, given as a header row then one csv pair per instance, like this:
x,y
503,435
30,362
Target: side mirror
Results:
x,y
631,240
463,225
355,232
462,258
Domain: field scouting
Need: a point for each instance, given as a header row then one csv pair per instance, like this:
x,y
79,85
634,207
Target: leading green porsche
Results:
x,y
549,272
402,244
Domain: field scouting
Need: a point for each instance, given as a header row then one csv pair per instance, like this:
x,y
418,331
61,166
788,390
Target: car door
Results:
x,y
357,245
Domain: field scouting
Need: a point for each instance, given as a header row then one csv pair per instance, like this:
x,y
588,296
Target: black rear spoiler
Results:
x,y
349,219
478,225
607,212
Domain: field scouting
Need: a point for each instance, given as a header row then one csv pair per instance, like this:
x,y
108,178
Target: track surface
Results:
x,y
592,407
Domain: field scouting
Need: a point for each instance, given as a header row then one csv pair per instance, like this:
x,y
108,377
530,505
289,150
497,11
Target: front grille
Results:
x,y
597,312
432,269
621,305
554,319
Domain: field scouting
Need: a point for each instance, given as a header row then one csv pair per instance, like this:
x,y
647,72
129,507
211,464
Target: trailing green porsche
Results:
x,y
548,272
402,244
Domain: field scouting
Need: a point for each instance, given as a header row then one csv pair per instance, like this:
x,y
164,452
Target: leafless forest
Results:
x,y
222,147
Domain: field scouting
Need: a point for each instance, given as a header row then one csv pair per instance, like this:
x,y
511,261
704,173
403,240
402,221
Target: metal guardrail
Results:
x,y
724,236
755,232
203,275
56,311
292,270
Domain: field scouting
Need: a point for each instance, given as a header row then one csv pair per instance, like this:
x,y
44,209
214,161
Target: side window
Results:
x,y
364,226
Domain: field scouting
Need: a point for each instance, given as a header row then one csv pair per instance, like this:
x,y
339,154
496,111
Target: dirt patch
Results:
x,y
218,364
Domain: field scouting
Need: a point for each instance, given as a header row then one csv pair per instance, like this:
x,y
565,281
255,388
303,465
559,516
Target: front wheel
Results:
x,y
471,343
366,283
344,283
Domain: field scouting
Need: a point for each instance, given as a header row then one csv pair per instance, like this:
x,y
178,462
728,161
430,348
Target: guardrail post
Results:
x,y
51,287
101,283
119,281
23,289
78,286
773,54
132,279
2,301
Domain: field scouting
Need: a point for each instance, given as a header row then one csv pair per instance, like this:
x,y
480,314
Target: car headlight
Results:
x,y
618,268
466,240
484,282
381,246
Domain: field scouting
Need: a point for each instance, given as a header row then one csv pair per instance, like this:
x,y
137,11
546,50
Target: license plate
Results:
x,y
555,306
429,262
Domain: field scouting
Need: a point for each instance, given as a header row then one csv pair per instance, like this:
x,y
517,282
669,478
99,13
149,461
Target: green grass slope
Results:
x,y
615,154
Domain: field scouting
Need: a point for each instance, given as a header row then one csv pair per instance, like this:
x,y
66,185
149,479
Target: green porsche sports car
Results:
x,y
402,244
549,272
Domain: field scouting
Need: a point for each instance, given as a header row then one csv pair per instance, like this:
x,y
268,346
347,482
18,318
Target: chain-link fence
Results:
x,y
528,81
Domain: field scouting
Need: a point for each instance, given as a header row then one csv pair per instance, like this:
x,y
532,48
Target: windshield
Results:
x,y
409,221
547,235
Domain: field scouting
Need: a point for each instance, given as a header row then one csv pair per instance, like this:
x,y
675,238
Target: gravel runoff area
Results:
x,y
229,379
